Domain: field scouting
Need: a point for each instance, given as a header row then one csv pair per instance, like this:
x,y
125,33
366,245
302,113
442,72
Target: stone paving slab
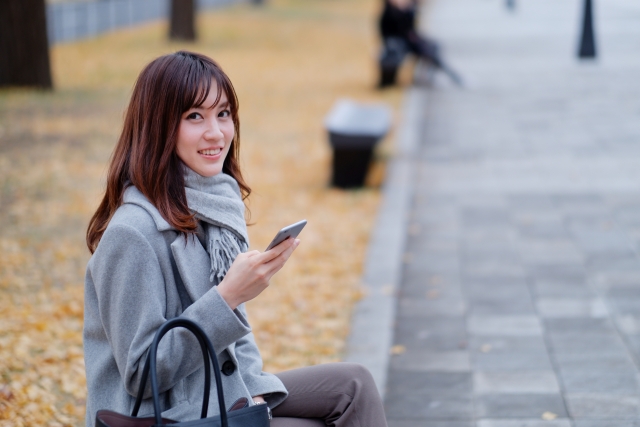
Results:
x,y
524,423
519,297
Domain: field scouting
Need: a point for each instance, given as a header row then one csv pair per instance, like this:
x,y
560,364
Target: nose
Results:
x,y
213,131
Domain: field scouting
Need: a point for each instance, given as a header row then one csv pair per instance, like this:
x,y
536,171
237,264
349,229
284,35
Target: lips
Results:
x,y
210,152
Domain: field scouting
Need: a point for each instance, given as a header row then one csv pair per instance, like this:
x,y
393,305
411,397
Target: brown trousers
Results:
x,y
332,394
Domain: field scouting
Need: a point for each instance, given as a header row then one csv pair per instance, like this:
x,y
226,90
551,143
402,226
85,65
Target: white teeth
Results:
x,y
211,152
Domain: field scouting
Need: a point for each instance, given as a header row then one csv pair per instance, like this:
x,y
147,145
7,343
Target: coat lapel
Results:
x,y
193,265
232,353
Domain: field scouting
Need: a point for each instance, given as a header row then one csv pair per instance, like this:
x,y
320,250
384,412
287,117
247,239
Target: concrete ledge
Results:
x,y
371,334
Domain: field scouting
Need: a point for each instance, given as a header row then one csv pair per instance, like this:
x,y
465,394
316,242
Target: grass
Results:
x,y
289,61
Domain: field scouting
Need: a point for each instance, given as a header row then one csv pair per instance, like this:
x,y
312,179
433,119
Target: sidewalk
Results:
x,y
519,302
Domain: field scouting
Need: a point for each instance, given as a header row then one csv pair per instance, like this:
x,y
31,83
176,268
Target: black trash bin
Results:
x,y
354,130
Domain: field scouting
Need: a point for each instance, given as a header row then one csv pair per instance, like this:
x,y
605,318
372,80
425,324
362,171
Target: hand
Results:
x,y
250,273
259,399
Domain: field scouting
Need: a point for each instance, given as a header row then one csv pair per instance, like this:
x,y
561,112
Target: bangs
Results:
x,y
197,84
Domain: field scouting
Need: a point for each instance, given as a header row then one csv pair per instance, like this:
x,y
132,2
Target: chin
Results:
x,y
210,173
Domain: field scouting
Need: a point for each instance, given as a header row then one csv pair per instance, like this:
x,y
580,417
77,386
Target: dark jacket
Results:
x,y
396,22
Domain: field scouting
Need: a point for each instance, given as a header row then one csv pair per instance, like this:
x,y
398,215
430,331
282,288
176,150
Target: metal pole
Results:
x,y
511,4
587,41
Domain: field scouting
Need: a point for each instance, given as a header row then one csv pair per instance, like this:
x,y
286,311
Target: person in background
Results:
x,y
398,22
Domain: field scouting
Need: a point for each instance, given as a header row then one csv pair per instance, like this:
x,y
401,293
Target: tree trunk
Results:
x,y
182,20
24,46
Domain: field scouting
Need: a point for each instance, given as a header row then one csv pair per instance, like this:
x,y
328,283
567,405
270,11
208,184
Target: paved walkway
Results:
x,y
520,297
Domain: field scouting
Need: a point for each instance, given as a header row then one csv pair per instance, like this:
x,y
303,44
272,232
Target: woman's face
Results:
x,y
205,134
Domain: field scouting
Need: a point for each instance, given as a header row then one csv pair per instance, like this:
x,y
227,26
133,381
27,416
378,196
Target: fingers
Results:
x,y
266,264
250,273
278,262
271,267
277,250
248,255
288,251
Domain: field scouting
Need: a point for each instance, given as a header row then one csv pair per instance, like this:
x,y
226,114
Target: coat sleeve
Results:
x,y
257,381
132,300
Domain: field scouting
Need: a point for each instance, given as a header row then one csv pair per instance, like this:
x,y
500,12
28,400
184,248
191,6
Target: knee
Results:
x,y
357,373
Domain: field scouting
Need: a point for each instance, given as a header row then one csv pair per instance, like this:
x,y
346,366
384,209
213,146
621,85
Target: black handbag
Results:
x,y
239,415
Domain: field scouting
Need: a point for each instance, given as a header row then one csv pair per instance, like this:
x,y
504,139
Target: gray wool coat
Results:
x,y
130,290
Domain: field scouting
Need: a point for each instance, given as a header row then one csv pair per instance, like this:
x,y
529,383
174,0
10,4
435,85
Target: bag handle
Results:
x,y
207,353
207,381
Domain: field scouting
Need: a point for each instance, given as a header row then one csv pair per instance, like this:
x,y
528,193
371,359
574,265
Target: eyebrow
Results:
x,y
225,104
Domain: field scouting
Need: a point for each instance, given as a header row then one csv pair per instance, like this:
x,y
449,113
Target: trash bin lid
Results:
x,y
352,118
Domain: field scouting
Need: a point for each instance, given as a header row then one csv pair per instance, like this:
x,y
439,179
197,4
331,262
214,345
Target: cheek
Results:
x,y
187,138
186,144
229,131
180,143
182,153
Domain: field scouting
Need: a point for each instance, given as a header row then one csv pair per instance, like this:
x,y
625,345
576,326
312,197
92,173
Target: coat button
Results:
x,y
228,368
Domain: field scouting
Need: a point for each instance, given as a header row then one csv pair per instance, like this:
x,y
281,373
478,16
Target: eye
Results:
x,y
224,113
194,116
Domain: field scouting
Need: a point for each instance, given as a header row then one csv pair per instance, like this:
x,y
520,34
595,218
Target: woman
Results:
x,y
169,239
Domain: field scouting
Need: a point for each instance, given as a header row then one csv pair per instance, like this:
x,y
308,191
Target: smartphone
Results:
x,y
289,232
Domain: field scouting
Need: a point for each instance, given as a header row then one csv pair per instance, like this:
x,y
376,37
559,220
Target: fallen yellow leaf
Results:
x,y
397,349
433,294
485,348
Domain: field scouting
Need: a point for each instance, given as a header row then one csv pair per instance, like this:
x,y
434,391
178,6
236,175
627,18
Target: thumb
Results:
x,y
251,253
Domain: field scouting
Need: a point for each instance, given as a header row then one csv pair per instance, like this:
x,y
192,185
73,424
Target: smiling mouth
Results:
x,y
212,152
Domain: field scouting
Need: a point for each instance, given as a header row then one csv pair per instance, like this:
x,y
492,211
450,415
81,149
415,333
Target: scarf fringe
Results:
x,y
222,253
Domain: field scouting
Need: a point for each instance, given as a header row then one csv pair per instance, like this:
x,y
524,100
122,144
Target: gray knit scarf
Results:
x,y
217,203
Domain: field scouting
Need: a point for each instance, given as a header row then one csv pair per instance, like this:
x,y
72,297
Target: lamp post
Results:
x,y
511,4
587,40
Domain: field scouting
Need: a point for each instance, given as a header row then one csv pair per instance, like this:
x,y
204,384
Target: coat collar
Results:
x,y
191,258
133,196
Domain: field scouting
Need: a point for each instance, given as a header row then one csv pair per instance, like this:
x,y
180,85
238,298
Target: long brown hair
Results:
x,y
145,155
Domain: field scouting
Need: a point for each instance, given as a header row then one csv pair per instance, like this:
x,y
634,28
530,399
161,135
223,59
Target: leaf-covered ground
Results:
x,y
289,62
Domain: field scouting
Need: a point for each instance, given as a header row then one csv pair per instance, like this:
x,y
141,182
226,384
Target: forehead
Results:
x,y
216,96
